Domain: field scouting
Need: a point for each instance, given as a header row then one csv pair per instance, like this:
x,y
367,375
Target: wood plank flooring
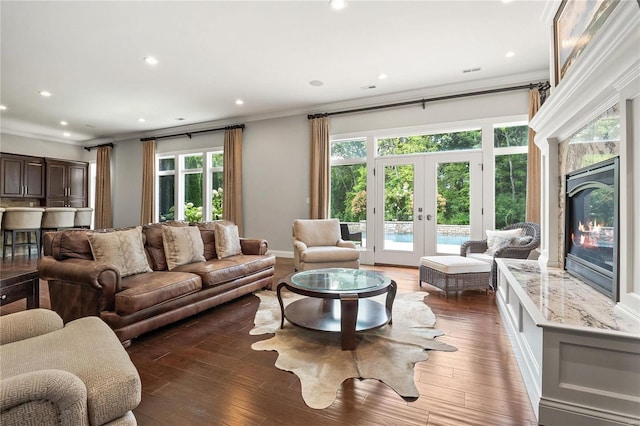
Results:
x,y
202,370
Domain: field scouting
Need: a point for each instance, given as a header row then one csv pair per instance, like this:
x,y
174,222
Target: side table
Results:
x,y
15,285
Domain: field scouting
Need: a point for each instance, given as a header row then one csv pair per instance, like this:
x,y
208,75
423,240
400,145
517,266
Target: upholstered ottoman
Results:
x,y
455,273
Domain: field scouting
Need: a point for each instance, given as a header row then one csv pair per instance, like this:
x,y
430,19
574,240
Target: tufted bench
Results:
x,y
455,273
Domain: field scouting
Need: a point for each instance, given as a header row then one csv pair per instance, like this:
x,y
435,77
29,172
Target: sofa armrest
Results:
x,y
28,398
477,246
346,244
26,324
254,246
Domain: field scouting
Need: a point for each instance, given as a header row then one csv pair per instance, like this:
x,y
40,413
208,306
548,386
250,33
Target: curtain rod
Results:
x,y
189,134
542,86
89,148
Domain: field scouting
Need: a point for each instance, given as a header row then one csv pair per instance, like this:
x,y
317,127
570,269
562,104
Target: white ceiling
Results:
x,y
89,55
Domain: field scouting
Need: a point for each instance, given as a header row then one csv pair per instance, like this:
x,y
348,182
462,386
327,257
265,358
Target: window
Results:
x,y
197,176
348,200
510,150
452,141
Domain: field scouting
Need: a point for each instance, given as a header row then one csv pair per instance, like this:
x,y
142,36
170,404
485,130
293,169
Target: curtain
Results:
x,y
320,169
533,164
103,188
232,179
148,181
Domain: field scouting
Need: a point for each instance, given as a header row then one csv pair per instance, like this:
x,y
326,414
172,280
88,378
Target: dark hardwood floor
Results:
x,y
202,370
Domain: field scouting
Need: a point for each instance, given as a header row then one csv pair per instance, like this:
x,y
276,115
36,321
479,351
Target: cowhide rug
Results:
x,y
388,353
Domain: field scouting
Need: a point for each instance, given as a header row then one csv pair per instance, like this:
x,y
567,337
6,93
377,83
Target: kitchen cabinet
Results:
x,y
67,183
21,176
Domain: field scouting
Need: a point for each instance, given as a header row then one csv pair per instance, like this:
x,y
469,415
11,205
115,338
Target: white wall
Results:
x,y
40,148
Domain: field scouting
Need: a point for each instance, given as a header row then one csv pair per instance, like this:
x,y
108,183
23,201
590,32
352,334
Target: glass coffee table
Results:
x,y
338,300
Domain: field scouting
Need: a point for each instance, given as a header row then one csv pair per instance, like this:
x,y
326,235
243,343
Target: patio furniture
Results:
x,y
455,273
518,247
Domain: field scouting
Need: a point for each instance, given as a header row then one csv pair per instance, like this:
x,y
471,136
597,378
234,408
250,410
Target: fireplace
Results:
x,y
591,233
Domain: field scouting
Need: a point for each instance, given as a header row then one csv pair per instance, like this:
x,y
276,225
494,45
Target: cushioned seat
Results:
x,y
18,221
82,218
318,244
220,271
76,375
454,273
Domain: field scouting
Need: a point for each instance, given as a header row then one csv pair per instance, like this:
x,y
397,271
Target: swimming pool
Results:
x,y
441,239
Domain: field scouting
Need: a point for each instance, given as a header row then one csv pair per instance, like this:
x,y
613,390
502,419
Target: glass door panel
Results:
x,y
453,206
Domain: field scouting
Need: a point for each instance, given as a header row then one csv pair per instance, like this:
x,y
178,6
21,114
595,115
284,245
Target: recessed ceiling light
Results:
x,y
2,107
510,54
151,60
316,83
239,102
506,1
66,134
64,123
45,93
338,4
141,120
382,76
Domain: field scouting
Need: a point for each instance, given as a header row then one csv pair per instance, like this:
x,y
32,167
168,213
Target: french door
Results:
x,y
425,205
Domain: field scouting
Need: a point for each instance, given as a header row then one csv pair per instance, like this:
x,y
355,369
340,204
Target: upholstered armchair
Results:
x,y
508,242
317,244
78,374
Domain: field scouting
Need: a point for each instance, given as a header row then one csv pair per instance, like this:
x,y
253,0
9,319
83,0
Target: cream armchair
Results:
x,y
78,374
317,244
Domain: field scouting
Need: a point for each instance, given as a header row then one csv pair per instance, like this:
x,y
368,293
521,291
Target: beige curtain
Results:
x,y
103,188
232,169
533,164
148,181
320,169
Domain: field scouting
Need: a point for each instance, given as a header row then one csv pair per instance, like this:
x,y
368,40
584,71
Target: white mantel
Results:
x,y
607,73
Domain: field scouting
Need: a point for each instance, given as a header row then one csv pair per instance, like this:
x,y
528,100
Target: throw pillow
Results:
x,y
122,249
182,245
227,240
499,239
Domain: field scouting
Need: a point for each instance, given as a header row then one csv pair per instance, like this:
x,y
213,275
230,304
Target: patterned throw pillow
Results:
x,y
122,249
227,240
182,245
498,239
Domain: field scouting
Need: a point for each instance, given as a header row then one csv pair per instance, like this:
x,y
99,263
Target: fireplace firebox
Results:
x,y
591,226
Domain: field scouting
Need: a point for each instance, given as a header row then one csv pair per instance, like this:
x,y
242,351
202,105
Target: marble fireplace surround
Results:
x,y
608,73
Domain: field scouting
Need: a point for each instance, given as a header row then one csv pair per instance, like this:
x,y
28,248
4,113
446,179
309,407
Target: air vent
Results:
x,y
368,87
468,70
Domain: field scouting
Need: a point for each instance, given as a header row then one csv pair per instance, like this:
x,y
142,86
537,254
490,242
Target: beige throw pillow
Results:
x,y
227,240
182,245
499,239
122,249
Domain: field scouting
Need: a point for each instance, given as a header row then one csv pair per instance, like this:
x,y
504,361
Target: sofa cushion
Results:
x,y
182,245
329,254
145,290
71,244
122,249
207,232
215,272
498,239
154,243
227,240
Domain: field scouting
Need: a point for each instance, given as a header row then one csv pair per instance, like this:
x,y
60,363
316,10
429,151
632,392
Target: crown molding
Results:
x,y
37,136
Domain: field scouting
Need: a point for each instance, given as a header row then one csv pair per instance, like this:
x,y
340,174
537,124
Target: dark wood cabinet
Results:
x,y
67,183
21,176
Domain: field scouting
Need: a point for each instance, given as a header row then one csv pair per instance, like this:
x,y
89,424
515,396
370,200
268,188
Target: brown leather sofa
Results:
x,y
79,286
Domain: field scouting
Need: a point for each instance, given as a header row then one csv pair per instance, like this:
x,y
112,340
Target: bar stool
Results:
x,y
21,220
83,217
56,218
1,212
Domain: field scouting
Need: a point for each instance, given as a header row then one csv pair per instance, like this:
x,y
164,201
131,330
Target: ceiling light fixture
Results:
x,y
382,76
64,123
338,4
239,102
2,107
45,93
316,83
141,120
151,60
66,134
510,54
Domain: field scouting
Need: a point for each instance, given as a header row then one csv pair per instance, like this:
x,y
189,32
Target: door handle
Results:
x,y
429,217
419,217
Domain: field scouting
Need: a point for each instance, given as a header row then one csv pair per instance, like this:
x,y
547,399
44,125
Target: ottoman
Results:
x,y
455,273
